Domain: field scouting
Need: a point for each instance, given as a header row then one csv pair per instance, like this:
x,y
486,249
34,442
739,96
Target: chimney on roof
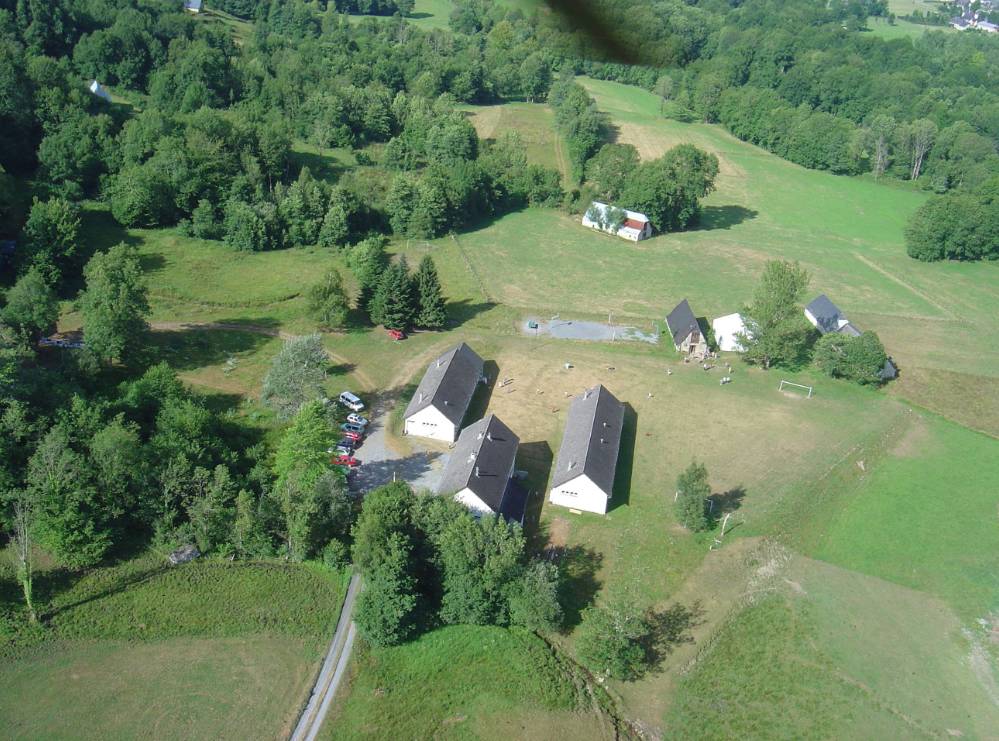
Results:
x,y
602,441
480,435
422,397
477,474
489,436
572,465
440,362
447,403
605,424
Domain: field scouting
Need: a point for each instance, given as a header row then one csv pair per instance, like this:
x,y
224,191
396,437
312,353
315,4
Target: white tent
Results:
x,y
726,328
97,89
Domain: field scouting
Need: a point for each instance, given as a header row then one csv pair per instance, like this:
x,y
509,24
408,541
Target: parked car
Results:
x,y
346,445
346,460
351,401
355,436
351,427
396,334
357,419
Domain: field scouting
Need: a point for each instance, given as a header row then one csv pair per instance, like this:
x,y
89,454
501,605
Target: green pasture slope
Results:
x,y
209,649
463,681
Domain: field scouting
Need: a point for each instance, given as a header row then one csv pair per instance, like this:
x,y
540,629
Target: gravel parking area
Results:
x,y
381,464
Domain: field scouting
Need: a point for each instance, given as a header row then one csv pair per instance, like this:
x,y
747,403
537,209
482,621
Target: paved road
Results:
x,y
334,667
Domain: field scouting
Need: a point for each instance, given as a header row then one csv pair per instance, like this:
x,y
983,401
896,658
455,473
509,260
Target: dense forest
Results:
x,y
102,447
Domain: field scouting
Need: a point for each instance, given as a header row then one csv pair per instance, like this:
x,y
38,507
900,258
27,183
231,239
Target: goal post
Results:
x,y
784,383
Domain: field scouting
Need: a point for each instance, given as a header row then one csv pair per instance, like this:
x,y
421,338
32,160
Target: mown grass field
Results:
x,y
205,650
463,682
536,126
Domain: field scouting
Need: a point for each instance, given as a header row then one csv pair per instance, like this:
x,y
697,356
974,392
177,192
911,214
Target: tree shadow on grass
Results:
x,y
667,629
578,567
625,460
460,312
727,501
723,217
191,349
50,584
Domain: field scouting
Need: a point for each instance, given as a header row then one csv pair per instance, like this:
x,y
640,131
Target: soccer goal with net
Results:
x,y
784,383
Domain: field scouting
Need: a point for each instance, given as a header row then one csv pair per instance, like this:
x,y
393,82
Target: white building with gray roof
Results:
x,y
442,398
583,477
479,473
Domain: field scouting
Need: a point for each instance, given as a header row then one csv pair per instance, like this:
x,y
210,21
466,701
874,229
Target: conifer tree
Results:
x,y
394,303
432,312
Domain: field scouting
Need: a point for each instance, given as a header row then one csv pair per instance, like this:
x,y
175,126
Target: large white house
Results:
x,y
442,398
479,473
727,330
626,224
583,476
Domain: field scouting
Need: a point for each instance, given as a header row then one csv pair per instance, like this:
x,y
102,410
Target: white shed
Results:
x,y
726,329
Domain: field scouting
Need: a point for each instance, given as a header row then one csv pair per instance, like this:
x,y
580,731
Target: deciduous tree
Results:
x,y
776,330
296,375
114,304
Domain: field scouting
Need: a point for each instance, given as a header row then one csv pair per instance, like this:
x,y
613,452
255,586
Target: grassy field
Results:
x,y
463,682
819,652
536,126
136,648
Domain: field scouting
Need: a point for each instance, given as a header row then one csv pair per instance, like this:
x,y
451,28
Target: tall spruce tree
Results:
x,y
394,303
432,312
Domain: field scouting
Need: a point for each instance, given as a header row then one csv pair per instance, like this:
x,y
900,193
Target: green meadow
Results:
x,y
138,649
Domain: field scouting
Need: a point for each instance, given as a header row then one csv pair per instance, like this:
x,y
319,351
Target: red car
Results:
x,y
396,334
346,460
351,435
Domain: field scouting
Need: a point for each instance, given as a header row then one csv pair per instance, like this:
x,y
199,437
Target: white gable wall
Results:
x,y
468,498
429,422
581,493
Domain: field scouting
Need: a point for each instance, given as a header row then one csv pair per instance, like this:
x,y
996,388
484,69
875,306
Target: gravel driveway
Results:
x,y
380,463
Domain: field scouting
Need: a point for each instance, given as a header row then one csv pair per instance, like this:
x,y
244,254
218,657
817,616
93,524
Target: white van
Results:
x,y
351,401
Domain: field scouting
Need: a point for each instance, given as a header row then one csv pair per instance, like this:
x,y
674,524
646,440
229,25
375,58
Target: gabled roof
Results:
x,y
826,313
448,384
889,371
592,439
681,322
603,208
481,461
849,329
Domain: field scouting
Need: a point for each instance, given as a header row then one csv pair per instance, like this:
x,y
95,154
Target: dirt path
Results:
x,y
366,382
895,279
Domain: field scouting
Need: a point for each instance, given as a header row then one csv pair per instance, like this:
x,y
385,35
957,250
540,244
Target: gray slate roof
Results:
x,y
481,461
448,384
826,313
592,439
681,322
849,329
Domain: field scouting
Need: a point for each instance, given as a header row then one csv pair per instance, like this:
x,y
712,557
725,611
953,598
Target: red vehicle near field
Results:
x,y
396,334
351,435
346,460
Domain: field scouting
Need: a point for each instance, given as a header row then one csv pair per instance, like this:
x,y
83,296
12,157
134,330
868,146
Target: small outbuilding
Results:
x,y
686,332
620,222
826,317
445,391
99,90
479,473
727,330
583,476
